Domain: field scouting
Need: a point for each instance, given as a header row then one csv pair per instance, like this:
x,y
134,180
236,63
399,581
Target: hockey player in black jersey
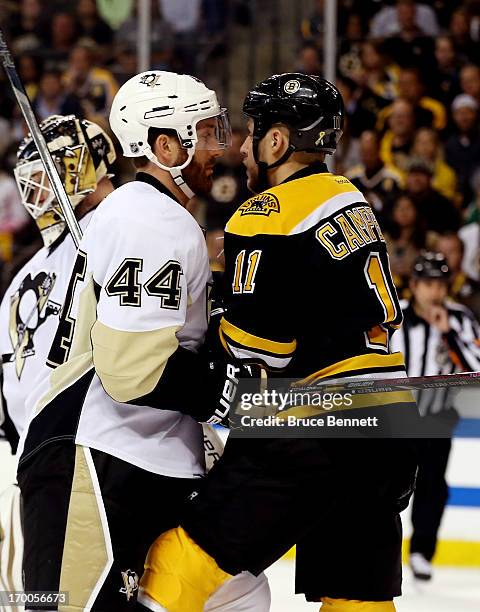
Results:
x,y
309,294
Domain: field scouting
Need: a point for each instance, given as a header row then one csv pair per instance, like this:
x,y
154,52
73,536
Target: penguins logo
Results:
x,y
130,584
150,80
29,309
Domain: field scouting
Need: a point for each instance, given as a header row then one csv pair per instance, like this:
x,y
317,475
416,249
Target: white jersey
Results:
x,y
137,293
29,315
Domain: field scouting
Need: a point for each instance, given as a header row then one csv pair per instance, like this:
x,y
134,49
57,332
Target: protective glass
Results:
x,y
214,133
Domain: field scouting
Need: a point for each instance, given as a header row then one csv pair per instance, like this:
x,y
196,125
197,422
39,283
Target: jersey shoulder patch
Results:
x,y
293,207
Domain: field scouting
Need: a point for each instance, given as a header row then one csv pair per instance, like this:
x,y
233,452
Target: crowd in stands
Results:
x,y
409,72
72,56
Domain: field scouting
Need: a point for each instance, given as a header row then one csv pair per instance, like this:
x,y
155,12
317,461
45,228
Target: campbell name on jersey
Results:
x,y
29,315
138,292
309,283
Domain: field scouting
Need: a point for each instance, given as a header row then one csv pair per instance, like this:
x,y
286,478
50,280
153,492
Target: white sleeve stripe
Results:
x,y
248,354
327,209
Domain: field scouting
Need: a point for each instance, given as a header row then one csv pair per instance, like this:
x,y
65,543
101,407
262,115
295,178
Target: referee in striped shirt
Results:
x,y
438,336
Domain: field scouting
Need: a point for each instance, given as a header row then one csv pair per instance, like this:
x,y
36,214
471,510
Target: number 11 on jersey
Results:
x,y
248,284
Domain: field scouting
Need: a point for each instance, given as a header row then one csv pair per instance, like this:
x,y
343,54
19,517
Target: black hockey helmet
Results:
x,y
311,107
431,265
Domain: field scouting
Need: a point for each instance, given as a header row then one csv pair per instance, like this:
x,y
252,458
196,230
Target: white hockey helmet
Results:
x,y
159,99
83,153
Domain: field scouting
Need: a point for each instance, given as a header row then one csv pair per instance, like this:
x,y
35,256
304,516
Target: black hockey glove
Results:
x,y
202,385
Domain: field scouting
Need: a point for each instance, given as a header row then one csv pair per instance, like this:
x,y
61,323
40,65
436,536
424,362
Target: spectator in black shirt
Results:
x,y
378,183
444,81
406,235
462,150
439,212
30,68
25,27
410,46
91,24
63,35
361,105
53,100
459,30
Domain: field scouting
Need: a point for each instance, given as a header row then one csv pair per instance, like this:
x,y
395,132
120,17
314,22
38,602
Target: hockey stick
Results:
x,y
39,140
386,385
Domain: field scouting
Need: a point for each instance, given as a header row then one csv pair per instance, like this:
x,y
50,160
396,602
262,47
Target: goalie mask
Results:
x,y
82,153
159,99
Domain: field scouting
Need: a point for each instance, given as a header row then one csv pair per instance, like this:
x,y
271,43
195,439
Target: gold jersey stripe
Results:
x,y
359,362
255,342
282,208
125,373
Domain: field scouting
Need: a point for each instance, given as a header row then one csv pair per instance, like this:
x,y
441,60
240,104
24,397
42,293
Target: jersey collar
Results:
x,y
66,232
154,182
315,168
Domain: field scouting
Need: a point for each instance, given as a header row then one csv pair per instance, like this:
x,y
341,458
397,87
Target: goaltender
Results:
x,y
308,293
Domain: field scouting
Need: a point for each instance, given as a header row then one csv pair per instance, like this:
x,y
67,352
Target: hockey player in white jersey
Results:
x,y
30,308
31,305
128,341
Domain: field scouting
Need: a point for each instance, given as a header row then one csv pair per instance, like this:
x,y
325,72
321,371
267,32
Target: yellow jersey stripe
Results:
x,y
255,342
359,362
282,209
335,204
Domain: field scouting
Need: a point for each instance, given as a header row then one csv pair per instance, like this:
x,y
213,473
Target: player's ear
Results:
x,y
278,140
164,149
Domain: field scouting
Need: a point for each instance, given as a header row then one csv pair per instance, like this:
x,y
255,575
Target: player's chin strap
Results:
x,y
176,171
263,167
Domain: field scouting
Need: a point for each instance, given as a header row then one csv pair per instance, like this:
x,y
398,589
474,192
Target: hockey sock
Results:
x,y
179,575
352,605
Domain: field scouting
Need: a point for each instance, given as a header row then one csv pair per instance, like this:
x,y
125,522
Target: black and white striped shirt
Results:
x,y
428,352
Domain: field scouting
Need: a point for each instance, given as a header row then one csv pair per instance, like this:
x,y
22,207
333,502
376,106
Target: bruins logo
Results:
x,y
29,309
262,204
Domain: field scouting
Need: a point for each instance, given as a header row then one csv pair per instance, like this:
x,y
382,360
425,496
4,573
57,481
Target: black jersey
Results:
x,y
309,291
